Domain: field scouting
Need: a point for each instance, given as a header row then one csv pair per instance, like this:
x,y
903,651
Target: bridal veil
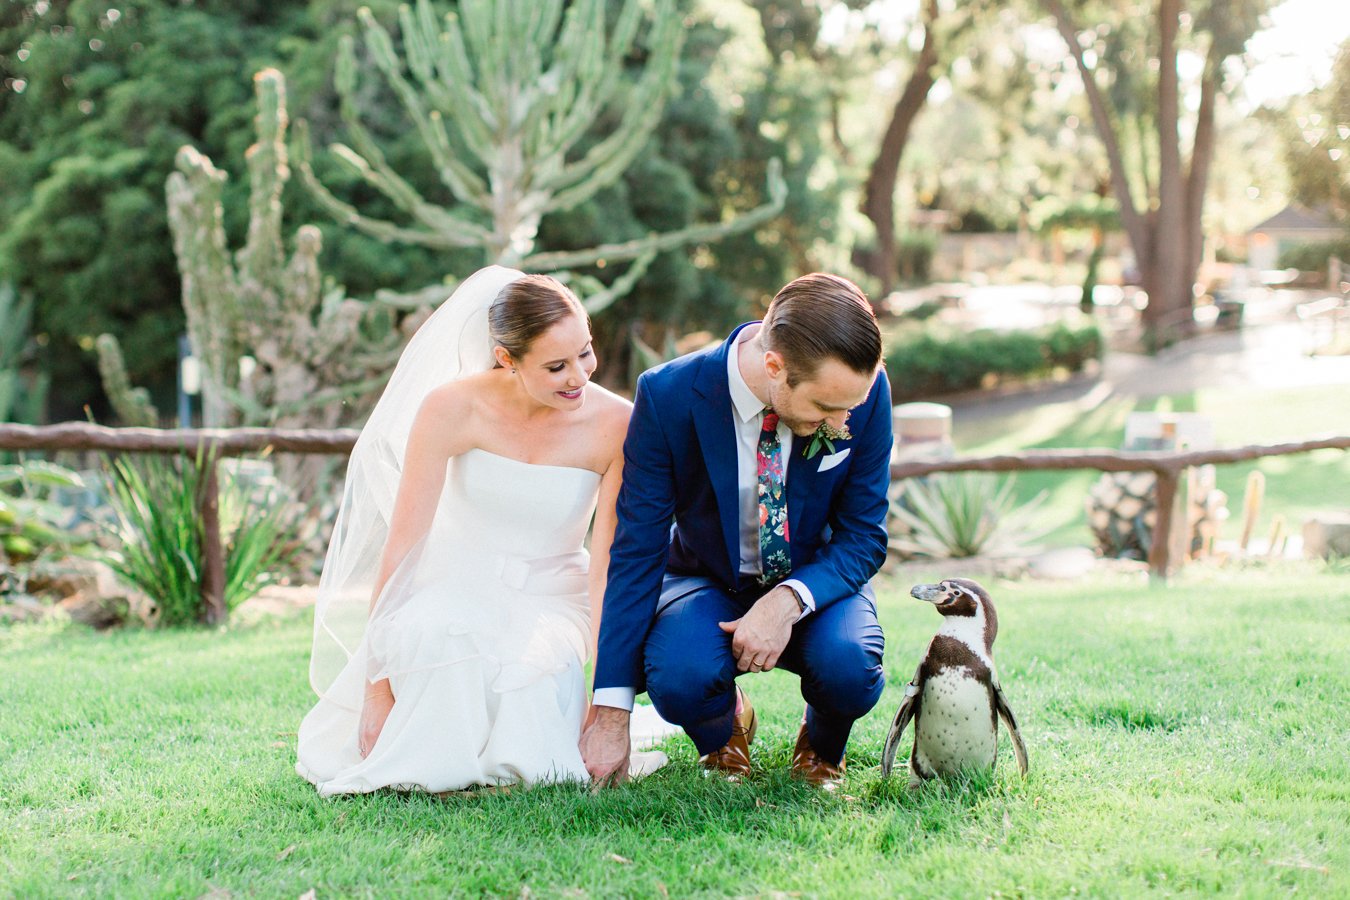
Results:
x,y
451,344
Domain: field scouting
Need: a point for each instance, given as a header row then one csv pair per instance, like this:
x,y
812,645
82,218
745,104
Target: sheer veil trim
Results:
x,y
451,344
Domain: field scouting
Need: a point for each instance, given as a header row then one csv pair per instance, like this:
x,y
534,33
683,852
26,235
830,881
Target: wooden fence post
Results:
x,y
213,550
1160,550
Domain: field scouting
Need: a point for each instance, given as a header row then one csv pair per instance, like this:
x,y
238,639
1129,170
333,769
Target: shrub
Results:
x,y
924,311
32,524
954,516
1314,257
914,252
929,363
1017,354
1073,348
155,502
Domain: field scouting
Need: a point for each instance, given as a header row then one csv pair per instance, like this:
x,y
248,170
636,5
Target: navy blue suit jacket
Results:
x,y
678,509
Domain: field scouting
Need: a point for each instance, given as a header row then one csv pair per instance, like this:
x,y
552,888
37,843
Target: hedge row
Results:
x,y
1314,257
927,364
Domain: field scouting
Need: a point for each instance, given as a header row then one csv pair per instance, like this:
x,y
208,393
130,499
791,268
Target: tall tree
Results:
x,y
1315,129
878,202
941,27
1161,205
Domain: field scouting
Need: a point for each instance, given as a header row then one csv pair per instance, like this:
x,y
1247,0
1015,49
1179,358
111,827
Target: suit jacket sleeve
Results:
x,y
857,545
637,557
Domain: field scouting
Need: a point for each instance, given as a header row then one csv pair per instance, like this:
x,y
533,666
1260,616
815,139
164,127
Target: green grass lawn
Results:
x,y
1192,739
1297,486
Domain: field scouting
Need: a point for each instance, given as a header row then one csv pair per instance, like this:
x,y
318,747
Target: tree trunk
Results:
x,y
1086,303
1165,308
879,192
1202,154
1131,220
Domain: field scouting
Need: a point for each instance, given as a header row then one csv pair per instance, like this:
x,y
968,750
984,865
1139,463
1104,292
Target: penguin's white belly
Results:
x,y
954,724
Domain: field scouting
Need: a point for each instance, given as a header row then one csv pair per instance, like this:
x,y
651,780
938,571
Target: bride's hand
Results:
x,y
379,702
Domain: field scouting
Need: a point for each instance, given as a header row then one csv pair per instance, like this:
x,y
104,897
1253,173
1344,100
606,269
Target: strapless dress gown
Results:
x,y
484,640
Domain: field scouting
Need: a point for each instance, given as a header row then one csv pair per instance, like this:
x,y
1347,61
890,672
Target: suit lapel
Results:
x,y
801,479
715,423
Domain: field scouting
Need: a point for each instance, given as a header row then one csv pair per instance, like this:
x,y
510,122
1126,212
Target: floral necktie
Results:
x,y
775,560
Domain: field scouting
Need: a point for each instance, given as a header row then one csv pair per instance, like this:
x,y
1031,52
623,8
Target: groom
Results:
x,y
752,515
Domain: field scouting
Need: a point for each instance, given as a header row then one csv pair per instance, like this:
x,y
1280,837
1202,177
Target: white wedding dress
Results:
x,y
482,630
483,634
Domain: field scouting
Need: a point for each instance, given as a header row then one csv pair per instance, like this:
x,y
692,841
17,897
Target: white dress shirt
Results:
x,y
749,423
749,416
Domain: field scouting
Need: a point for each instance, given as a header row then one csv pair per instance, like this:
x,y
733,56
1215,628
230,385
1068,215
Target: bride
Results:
x,y
457,606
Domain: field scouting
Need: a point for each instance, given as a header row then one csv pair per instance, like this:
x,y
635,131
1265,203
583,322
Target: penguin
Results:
x,y
955,699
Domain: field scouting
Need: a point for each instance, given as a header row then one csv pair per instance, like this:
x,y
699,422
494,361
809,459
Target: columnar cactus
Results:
x,y
303,353
501,92
132,404
209,290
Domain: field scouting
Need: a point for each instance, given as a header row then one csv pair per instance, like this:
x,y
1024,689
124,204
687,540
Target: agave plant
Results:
x,y
160,537
951,516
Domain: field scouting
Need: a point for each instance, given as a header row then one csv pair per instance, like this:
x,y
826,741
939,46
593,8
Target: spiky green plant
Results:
x,y
159,534
160,537
953,516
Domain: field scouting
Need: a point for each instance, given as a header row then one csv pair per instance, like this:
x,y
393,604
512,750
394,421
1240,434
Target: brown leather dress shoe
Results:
x,y
733,760
808,766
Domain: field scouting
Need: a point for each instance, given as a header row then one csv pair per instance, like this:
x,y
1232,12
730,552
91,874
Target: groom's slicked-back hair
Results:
x,y
526,308
818,317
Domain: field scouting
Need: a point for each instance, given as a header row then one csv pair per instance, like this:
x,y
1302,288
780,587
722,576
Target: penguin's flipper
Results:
x,y
908,707
1010,722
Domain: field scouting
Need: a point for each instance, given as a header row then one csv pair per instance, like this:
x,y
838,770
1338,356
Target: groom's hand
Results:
x,y
759,636
605,745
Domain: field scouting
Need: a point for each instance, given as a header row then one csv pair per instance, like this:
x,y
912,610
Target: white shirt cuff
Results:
x,y
617,697
805,593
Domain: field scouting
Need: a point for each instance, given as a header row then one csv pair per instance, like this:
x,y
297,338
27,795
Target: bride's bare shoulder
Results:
x,y
454,411
462,395
611,414
609,406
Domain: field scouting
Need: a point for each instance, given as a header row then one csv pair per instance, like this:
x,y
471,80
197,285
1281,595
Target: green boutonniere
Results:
x,y
825,436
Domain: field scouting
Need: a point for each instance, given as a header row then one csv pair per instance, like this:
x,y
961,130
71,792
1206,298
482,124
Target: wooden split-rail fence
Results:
x,y
210,445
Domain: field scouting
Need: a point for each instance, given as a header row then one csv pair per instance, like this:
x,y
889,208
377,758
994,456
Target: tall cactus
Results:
x,y
209,289
501,92
309,351
132,404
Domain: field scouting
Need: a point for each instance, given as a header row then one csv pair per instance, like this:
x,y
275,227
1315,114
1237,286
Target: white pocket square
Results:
x,y
834,459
